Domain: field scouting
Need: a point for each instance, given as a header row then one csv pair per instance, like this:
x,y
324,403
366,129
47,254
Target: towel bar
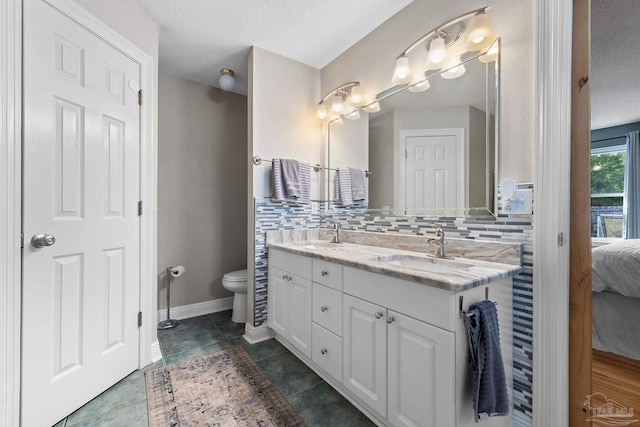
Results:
x,y
461,300
257,160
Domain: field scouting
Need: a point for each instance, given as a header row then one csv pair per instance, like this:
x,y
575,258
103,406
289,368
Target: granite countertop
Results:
x,y
372,258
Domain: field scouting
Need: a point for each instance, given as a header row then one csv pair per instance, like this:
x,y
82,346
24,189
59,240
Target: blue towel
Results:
x,y
490,397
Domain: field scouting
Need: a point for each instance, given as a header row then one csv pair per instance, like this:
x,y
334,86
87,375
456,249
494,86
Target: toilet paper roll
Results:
x,y
176,271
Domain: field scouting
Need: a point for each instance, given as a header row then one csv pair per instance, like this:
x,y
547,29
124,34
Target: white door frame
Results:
x,y
11,189
553,47
462,160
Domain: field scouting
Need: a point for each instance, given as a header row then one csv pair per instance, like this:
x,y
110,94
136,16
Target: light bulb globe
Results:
x,y
437,52
226,80
402,73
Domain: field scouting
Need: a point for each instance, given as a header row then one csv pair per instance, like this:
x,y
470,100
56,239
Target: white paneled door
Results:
x,y
434,168
81,184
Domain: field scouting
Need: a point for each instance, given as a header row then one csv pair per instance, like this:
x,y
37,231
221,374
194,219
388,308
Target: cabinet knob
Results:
x,y
324,308
379,315
324,273
390,320
324,351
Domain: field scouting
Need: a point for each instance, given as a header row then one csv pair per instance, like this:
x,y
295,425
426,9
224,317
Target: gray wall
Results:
x,y
202,188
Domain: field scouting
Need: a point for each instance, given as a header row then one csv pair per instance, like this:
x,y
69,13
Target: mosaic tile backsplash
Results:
x,y
272,216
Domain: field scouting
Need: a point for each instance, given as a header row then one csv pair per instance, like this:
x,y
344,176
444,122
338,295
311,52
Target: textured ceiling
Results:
x,y
615,62
199,37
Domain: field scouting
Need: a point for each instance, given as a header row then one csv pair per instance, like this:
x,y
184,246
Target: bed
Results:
x,y
615,298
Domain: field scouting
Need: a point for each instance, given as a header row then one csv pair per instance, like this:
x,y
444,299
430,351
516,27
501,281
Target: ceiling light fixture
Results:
x,y
470,32
226,81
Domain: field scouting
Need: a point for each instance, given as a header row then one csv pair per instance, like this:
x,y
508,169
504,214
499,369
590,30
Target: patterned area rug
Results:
x,y
223,389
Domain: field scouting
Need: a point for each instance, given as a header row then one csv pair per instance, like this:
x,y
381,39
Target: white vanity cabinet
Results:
x,y
395,348
401,367
289,299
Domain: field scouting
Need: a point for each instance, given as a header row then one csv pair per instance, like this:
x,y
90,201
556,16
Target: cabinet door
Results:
x,y
278,301
365,352
300,314
421,373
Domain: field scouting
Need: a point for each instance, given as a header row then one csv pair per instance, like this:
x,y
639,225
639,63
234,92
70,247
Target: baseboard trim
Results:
x,y
156,354
197,309
256,334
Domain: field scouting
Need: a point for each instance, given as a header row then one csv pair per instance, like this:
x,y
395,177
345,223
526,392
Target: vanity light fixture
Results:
x,y
372,106
470,32
343,98
402,73
226,81
454,69
321,114
352,113
437,52
479,34
492,53
338,103
419,83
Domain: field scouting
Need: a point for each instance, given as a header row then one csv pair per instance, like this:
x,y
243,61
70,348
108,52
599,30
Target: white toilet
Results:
x,y
236,282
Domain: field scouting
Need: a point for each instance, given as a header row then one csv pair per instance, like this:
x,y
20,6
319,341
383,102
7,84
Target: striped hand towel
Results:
x,y
278,188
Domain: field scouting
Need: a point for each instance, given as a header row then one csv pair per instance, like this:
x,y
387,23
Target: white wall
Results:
x,y
371,61
349,143
128,19
381,150
202,187
282,123
284,94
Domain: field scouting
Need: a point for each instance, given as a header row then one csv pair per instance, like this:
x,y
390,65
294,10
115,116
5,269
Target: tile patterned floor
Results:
x,y
125,404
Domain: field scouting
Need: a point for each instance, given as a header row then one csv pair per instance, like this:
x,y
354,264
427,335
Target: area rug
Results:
x,y
223,389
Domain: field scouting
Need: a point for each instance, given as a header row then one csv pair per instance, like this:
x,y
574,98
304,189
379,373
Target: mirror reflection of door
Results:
x,y
615,122
433,168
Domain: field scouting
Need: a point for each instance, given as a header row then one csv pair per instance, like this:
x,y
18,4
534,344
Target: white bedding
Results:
x,y
616,268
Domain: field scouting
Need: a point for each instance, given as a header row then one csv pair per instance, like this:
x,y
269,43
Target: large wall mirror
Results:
x,y
429,153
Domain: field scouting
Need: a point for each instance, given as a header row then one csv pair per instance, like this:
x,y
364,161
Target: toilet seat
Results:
x,y
236,276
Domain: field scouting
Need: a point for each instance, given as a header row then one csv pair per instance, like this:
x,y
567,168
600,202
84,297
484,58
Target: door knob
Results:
x,y
41,240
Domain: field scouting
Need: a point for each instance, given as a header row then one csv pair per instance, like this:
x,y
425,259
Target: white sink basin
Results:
x,y
424,263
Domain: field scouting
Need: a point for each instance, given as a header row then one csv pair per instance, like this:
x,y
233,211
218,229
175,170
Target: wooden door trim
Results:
x,y
580,244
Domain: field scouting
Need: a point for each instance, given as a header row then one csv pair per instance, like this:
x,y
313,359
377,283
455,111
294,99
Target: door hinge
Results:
x,y
140,208
140,97
22,240
139,319
560,239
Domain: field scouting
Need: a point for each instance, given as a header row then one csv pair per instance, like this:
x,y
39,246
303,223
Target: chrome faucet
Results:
x,y
336,237
438,241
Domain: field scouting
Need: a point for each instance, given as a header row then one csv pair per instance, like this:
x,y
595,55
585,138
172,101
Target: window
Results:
x,y
607,191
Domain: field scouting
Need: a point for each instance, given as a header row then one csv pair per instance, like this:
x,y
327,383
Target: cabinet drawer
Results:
x,y
327,273
327,351
291,263
327,308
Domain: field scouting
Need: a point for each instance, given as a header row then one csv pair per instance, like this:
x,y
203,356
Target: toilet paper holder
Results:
x,y
172,272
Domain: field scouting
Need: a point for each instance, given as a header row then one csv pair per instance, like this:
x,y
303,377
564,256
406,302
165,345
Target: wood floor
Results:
x,y
616,377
